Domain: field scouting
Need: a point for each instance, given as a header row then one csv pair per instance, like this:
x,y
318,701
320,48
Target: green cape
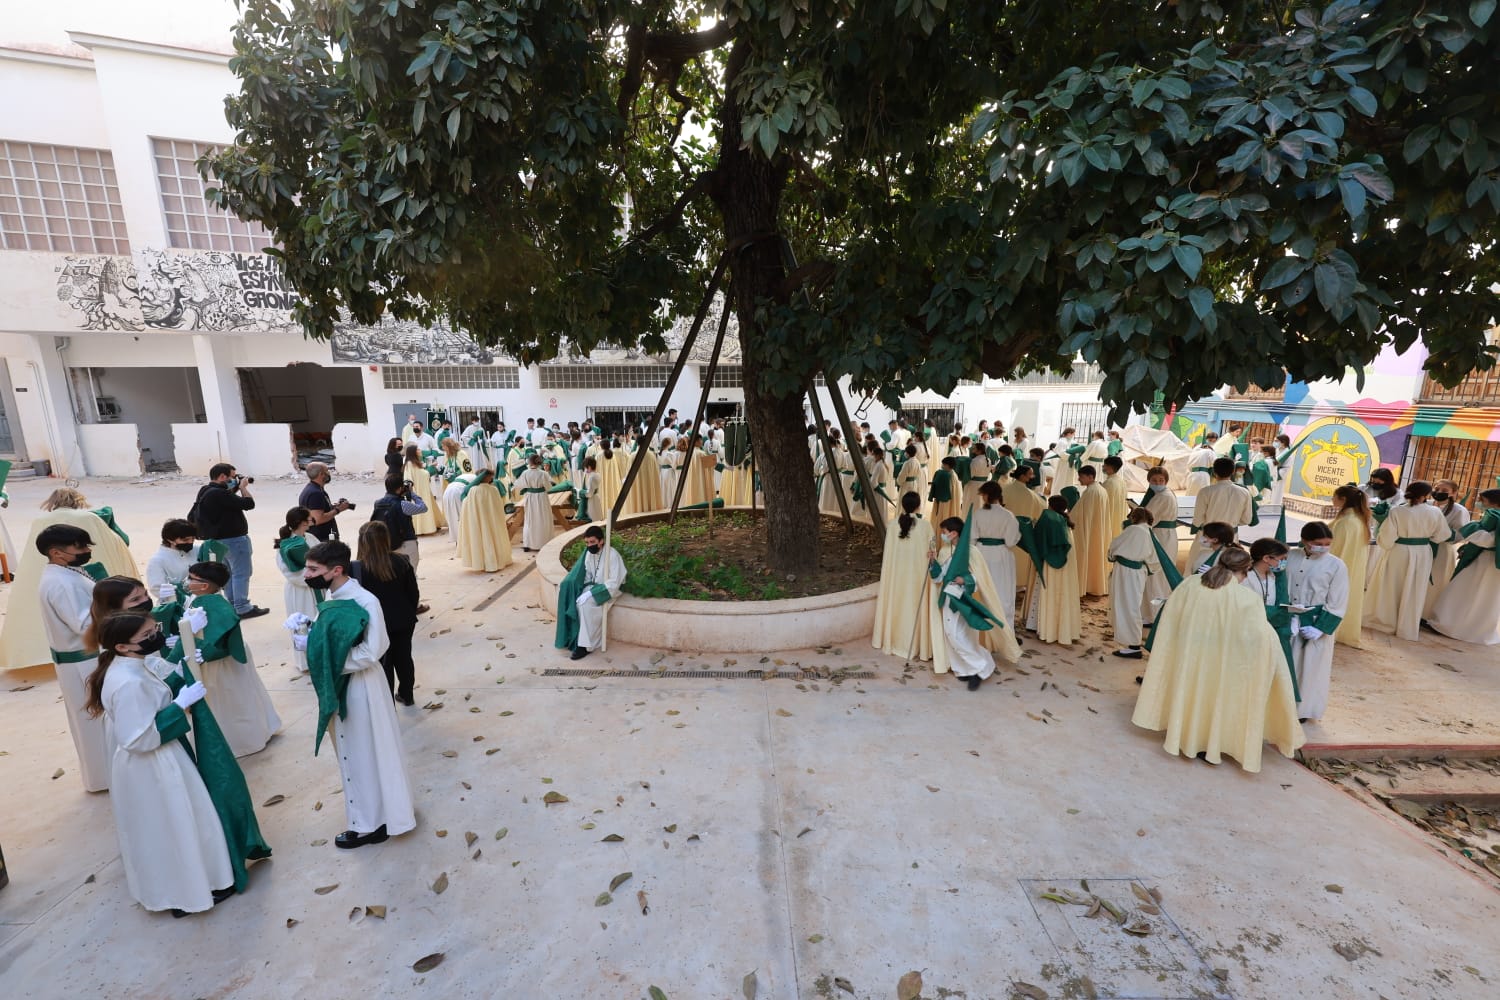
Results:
x,y
340,626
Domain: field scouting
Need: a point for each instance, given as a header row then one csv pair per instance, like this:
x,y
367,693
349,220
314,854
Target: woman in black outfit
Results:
x,y
389,576
395,456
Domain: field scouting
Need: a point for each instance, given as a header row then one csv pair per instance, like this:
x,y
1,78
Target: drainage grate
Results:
x,y
728,675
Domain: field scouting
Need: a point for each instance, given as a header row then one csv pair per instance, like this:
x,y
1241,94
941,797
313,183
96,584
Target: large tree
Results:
x,y
904,192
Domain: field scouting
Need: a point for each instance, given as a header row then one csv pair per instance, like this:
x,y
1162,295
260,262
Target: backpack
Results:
x,y
193,511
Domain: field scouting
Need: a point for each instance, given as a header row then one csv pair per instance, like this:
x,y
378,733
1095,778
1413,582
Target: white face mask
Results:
x,y
1316,551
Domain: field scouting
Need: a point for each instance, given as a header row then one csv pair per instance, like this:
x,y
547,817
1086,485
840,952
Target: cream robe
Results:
x,y
830,478
995,522
484,542
368,739
1096,452
737,486
979,474
1119,504
911,479
1398,591
1022,501
1000,641
1063,473
609,569
1127,586
611,473
1217,680
1351,546
645,492
172,844
1469,608
1092,533
1056,609
536,529
1222,501
879,507
667,463
1162,506
1447,556
1321,582
1202,458
593,484
22,642
902,627
66,596
239,700
421,484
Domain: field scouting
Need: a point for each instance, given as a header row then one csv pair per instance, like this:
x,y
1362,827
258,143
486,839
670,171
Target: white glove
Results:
x,y
197,619
1309,633
190,695
299,643
197,655
172,641
166,592
1204,568
295,621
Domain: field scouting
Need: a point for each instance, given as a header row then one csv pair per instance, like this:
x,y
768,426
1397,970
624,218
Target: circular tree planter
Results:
x,y
719,626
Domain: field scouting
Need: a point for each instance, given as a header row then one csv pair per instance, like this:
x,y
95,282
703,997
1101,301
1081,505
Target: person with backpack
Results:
x,y
219,514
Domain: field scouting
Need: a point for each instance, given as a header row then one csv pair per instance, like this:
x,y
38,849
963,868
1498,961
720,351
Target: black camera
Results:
x,y
346,503
249,480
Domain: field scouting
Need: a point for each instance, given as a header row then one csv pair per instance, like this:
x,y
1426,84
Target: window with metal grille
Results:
x,y
451,377
1473,465
1082,374
61,199
192,223
942,415
725,376
604,376
1085,418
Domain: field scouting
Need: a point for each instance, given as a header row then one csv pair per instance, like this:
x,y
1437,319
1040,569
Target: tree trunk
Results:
x,y
748,195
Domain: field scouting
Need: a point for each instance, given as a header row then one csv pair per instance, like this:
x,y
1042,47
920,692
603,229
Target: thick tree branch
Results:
x,y
700,185
665,47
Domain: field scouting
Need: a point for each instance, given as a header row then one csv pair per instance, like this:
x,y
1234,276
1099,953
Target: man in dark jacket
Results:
x,y
395,510
219,513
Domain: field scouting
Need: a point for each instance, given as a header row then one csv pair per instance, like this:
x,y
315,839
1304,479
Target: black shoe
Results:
x,y
974,682
422,609
579,653
254,612
222,894
1139,679
406,699
349,840
1128,654
1203,756
1303,721
178,914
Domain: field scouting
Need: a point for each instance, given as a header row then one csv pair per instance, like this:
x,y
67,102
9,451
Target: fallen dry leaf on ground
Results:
x,y
619,880
441,885
909,987
428,962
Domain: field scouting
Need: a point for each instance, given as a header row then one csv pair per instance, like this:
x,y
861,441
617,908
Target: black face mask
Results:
x,y
82,559
153,643
183,546
1440,497
318,582
593,548
140,607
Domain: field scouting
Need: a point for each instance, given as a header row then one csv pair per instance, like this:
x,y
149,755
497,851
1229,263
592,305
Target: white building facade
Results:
x,y
140,329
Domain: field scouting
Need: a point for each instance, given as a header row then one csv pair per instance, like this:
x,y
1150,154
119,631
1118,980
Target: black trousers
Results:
x,y
397,660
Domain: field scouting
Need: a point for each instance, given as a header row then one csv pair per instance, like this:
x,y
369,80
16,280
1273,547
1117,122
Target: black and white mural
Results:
x,y
103,290
404,342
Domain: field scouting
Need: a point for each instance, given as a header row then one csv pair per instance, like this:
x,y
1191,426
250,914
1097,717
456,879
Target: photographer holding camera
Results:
x,y
395,511
315,498
219,513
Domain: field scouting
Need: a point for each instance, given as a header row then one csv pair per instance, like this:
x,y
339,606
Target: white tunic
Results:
x,y
1203,458
66,597
299,599
453,507
239,701
1398,588
1163,507
979,474
1446,557
171,842
1223,501
995,522
1127,586
1469,608
609,569
1311,583
168,566
536,529
966,657
376,790
1063,473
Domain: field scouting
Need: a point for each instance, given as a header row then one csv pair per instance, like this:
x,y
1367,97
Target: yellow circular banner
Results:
x,y
1332,451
